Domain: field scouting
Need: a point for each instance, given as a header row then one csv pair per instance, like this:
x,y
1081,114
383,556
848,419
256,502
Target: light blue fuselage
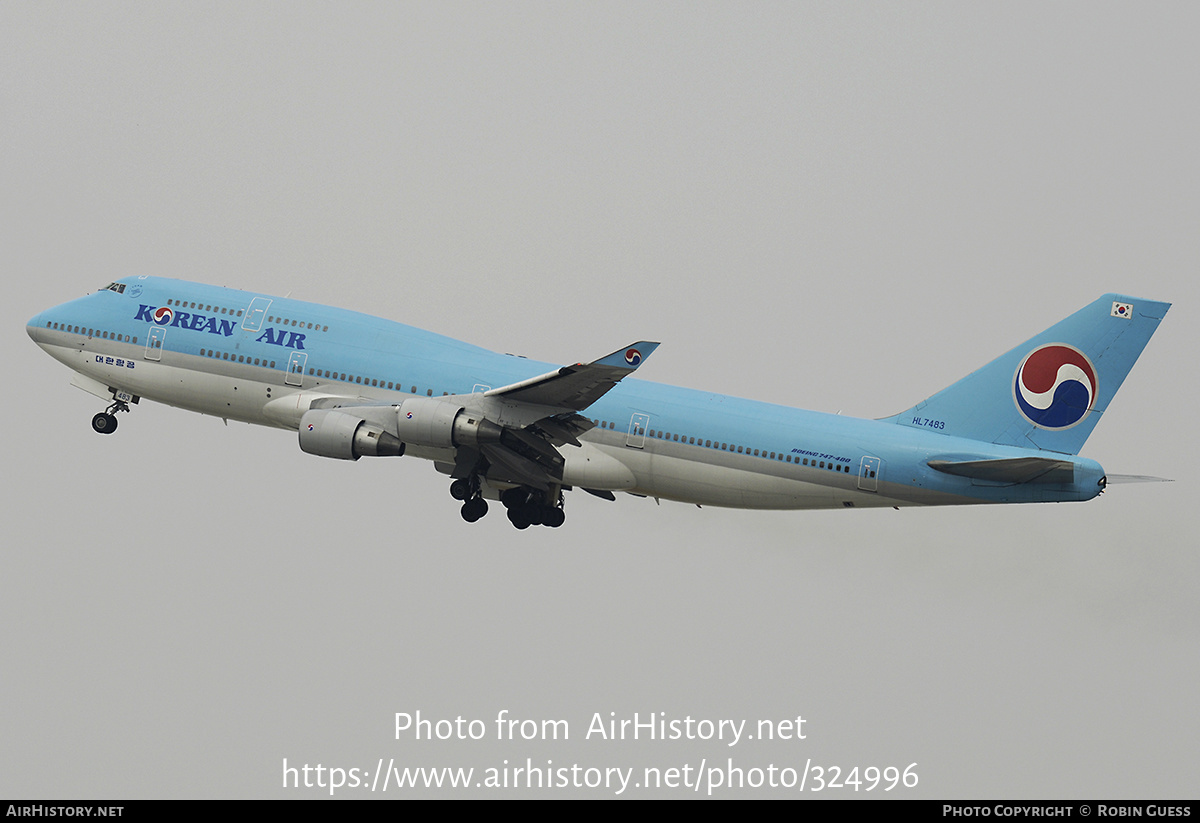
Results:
x,y
262,359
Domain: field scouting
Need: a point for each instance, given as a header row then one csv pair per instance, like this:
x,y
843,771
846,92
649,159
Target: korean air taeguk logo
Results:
x,y
633,357
163,316
1055,386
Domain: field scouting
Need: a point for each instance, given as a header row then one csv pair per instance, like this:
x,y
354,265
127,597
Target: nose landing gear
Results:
x,y
106,421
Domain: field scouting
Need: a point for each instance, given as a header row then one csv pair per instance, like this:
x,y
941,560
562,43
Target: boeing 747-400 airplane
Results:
x,y
510,429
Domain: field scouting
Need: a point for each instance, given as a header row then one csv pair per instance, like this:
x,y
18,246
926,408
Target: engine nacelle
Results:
x,y
443,424
345,436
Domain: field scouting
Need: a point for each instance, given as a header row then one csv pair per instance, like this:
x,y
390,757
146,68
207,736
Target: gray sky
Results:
x,y
831,206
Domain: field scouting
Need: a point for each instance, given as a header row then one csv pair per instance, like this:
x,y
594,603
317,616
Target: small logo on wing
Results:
x,y
163,316
1055,386
633,357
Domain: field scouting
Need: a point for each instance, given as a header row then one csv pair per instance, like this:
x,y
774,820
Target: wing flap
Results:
x,y
564,429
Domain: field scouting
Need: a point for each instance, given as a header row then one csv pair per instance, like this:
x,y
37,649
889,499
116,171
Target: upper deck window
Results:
x,y
119,288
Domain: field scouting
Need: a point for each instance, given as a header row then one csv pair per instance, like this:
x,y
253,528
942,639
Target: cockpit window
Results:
x,y
119,288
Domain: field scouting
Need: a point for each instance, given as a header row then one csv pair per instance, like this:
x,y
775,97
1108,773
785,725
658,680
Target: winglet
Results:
x,y
579,386
629,357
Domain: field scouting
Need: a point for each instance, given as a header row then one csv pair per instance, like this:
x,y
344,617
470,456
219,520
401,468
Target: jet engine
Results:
x,y
443,424
345,436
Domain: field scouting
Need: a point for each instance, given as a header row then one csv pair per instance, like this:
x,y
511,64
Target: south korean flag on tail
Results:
x,y
1122,310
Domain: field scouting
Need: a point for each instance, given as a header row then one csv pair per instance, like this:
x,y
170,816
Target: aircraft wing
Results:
x,y
574,388
511,434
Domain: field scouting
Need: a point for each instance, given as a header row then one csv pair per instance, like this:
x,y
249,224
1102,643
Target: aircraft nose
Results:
x,y
34,327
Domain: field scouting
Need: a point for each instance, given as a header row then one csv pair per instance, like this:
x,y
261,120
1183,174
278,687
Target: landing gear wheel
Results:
x,y
460,489
517,518
532,513
104,423
554,518
514,498
474,509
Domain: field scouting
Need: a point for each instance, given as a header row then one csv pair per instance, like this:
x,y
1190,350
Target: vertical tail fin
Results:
x,y
1049,392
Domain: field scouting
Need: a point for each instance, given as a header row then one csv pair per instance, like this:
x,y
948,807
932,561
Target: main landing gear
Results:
x,y
526,507
467,490
106,421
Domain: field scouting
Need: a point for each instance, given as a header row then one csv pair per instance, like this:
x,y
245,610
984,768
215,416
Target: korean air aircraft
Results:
x,y
510,429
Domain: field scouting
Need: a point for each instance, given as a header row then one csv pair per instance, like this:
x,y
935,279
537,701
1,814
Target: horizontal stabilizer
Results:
x,y
1136,478
1010,470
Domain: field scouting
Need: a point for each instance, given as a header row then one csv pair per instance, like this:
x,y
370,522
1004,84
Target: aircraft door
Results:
x,y
637,430
154,343
868,473
295,368
255,313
